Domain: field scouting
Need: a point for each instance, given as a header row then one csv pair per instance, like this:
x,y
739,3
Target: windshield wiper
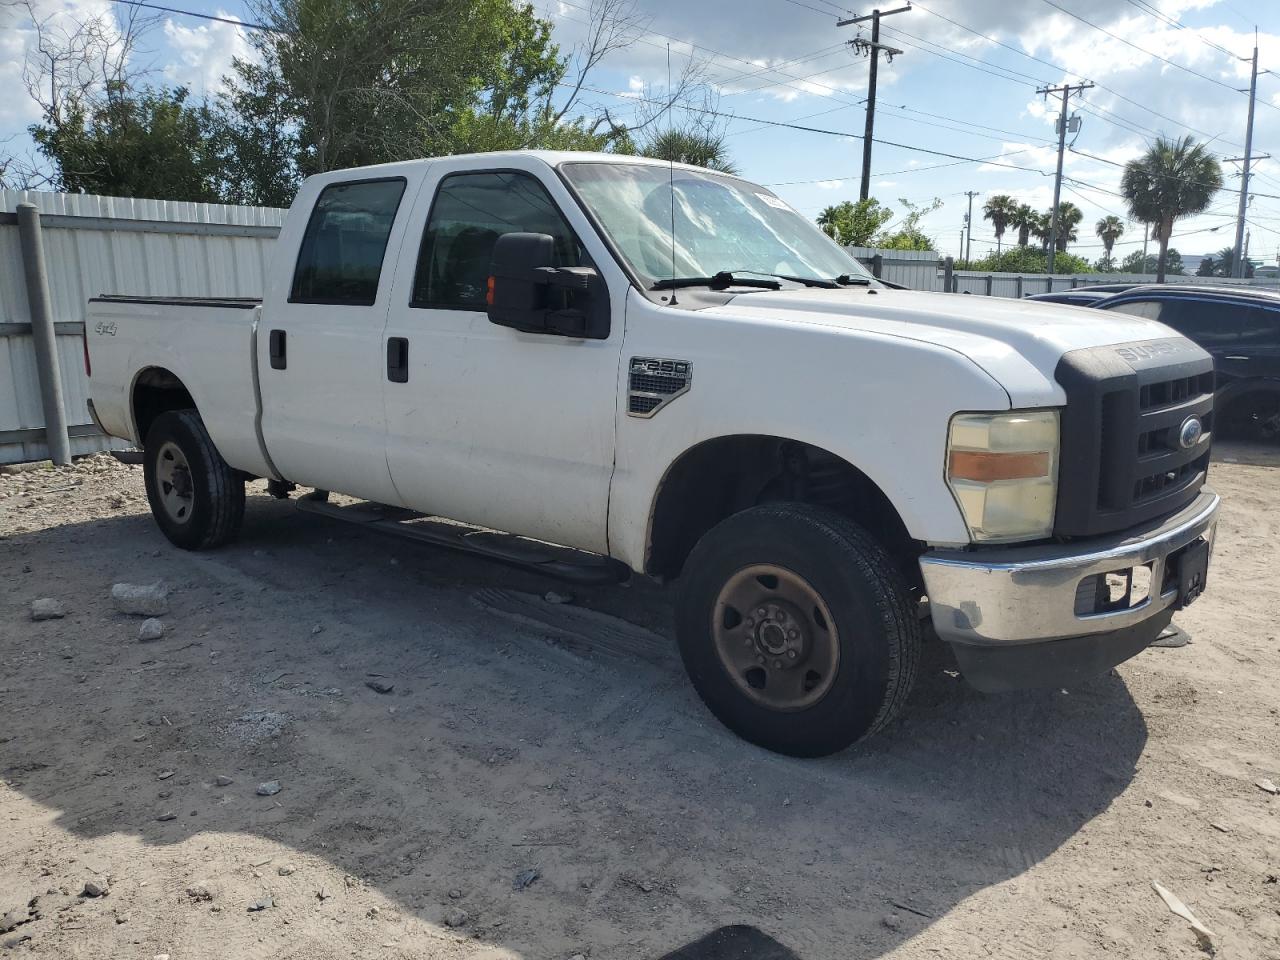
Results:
x,y
845,280
720,281
807,281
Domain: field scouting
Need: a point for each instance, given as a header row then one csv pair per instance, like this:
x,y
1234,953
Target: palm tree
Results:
x,y
1024,218
1226,261
829,221
999,209
1069,217
1109,229
1039,228
698,147
1175,178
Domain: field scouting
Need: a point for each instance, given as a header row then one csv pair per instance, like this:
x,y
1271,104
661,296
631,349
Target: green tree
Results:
x,y
1134,263
1024,219
255,135
1174,178
1109,229
1030,260
151,143
999,209
1208,266
854,224
697,146
1069,217
909,236
1038,227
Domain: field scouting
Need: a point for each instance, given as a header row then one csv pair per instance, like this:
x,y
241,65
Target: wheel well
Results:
x,y
721,477
157,391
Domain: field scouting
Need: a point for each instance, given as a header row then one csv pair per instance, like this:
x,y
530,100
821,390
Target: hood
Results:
x,y
1017,342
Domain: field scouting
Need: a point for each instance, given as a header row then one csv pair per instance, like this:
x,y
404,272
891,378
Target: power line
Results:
x,y
872,48
1203,183
205,16
1061,69
1173,21
1130,43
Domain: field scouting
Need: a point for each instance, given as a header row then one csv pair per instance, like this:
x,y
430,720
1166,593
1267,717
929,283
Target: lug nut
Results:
x,y
791,654
794,634
762,612
746,641
777,664
759,659
750,622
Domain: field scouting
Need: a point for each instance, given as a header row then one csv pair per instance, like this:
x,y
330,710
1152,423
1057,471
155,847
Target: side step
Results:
x,y
564,563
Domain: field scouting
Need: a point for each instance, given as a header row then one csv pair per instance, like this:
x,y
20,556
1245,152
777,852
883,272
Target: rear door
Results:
x,y
320,354
487,424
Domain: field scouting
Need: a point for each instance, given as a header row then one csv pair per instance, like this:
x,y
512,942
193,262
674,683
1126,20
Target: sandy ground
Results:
x,y
522,735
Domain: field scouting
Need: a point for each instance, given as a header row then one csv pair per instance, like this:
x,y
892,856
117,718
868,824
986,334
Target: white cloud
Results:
x,y
204,53
829,184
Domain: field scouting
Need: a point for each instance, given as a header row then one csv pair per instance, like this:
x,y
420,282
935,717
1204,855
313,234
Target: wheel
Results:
x,y
196,498
796,629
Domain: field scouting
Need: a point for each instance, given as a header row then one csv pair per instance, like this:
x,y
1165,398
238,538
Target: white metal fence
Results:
x,y
928,270
99,245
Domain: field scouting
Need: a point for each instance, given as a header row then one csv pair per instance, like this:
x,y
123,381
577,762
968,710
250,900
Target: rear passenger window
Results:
x,y
341,256
1210,324
470,212
1139,308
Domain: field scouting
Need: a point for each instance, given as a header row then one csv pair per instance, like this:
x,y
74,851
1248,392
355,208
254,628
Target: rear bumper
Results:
x,y
1015,616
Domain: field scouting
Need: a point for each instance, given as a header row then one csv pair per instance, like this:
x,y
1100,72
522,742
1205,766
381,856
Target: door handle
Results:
x,y
276,348
398,359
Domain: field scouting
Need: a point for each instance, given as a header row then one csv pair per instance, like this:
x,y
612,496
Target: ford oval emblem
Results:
x,y
1190,432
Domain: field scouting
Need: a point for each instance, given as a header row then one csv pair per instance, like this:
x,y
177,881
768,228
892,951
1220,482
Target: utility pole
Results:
x,y
1066,90
968,222
872,48
1237,268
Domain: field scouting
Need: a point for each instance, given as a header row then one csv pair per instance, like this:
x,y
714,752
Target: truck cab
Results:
x,y
671,368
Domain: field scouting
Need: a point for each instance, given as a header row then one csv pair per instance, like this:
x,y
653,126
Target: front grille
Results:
x,y
1123,461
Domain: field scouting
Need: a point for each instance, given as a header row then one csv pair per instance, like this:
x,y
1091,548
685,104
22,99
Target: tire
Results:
x,y
195,497
819,558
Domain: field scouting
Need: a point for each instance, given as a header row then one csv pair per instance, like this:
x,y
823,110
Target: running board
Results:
x,y
564,563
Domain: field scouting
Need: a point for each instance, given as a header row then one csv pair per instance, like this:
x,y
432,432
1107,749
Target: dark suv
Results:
x,y
1240,328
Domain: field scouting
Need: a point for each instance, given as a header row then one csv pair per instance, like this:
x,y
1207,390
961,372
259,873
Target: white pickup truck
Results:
x,y
635,366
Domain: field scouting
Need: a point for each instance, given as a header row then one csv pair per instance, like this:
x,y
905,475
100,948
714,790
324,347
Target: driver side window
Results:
x,y
469,213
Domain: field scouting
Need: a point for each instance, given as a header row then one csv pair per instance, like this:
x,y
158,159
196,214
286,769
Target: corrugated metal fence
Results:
x,y
928,270
98,245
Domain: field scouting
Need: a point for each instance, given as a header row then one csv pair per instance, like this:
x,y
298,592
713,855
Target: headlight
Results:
x,y
1003,470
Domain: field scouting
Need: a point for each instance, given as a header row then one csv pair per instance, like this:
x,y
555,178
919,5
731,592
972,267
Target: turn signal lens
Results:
x,y
1002,469
986,467
488,293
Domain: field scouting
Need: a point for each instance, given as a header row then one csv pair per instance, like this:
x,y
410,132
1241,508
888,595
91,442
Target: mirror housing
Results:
x,y
526,293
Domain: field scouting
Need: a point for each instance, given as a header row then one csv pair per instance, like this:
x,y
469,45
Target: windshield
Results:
x,y
722,224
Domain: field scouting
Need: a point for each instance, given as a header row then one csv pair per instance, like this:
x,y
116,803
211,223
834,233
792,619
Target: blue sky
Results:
x,y
1162,66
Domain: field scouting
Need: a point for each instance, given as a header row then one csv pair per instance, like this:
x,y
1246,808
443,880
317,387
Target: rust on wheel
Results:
x,y
776,637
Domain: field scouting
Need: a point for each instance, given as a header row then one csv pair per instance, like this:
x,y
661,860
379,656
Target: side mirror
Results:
x,y
526,293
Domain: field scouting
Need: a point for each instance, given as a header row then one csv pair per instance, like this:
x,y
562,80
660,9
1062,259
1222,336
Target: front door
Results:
x,y
320,352
486,424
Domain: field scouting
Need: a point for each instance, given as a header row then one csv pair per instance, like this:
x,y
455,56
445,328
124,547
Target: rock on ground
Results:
x,y
47,608
150,600
151,629
269,789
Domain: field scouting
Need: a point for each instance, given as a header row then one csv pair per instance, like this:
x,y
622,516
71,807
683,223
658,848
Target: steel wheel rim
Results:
x,y
173,482
775,637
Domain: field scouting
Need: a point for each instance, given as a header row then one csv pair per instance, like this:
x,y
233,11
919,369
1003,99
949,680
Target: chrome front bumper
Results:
x,y
1027,595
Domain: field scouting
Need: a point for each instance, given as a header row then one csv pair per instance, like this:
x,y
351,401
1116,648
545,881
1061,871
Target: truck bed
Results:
x,y
208,343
